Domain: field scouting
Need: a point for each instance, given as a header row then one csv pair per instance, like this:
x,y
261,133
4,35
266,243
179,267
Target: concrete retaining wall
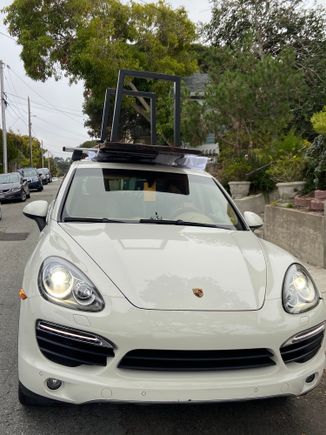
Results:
x,y
254,203
299,232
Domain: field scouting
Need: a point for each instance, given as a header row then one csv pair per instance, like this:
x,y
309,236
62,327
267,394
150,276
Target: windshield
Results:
x,y
9,178
148,197
30,173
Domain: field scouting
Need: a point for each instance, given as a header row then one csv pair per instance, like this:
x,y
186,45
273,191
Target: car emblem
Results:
x,y
198,292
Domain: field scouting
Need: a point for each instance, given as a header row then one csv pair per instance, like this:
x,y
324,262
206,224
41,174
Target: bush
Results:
x,y
234,169
316,164
287,168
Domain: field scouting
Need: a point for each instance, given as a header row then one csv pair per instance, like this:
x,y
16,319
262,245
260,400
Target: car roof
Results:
x,y
9,173
87,164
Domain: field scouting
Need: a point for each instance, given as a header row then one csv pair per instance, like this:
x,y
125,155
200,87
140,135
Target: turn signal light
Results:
x,y
22,295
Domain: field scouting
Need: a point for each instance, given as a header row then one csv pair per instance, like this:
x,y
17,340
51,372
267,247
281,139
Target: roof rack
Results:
x,y
120,91
114,151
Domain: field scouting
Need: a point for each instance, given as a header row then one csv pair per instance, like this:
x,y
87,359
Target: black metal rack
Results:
x,y
120,92
114,151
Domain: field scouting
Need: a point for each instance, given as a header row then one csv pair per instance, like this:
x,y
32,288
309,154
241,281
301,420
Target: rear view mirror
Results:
x,y
37,210
253,220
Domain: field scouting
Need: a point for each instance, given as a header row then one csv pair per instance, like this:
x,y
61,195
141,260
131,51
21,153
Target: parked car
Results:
x,y
43,176
149,285
13,187
33,178
48,174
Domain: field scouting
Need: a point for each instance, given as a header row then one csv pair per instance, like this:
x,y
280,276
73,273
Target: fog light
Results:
x,y
310,378
53,384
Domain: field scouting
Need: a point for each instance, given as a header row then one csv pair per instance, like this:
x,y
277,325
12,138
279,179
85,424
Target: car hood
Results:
x,y
161,267
7,186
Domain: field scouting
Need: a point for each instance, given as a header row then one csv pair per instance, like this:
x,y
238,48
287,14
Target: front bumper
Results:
x,y
131,328
10,196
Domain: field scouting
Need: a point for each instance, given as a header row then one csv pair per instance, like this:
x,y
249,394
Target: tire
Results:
x,y
28,195
28,398
40,189
23,196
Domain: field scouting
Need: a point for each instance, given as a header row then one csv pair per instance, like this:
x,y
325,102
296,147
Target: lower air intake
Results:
x,y
194,360
72,347
306,347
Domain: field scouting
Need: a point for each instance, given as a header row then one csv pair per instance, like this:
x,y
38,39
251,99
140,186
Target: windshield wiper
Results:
x,y
181,222
90,219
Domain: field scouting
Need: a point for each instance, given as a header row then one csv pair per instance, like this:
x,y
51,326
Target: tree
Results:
x,y
91,40
267,27
19,151
251,102
62,165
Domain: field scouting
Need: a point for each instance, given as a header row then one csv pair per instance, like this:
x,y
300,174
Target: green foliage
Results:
x,y
316,164
250,101
281,160
318,121
268,27
91,40
19,153
287,168
194,127
61,165
233,168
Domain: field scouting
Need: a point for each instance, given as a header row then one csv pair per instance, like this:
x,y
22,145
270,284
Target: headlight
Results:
x,y
62,283
299,291
14,189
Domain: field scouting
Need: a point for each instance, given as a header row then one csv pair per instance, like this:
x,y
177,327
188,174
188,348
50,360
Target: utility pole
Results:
x,y
42,153
30,131
3,113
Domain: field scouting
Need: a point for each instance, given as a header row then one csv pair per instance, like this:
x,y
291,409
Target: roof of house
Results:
x,y
196,83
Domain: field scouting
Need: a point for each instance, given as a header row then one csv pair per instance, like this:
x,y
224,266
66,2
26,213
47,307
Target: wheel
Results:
x,y
28,398
28,195
23,196
40,189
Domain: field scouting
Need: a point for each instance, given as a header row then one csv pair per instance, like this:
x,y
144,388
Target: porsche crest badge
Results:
x,y
199,292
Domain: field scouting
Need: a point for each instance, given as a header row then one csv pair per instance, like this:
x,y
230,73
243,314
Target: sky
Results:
x,y
56,106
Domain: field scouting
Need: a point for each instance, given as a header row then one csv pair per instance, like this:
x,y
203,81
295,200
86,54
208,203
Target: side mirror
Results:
x,y
253,220
37,210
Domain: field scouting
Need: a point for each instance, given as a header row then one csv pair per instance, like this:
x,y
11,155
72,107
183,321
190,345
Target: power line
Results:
x,y
56,126
10,106
58,108
39,95
69,139
7,36
8,93
45,108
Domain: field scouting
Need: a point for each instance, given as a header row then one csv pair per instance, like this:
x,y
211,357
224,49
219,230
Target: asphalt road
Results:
x,y
303,416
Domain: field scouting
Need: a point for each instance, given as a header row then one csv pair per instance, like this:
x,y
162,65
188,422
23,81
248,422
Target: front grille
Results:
x,y
303,350
72,347
194,360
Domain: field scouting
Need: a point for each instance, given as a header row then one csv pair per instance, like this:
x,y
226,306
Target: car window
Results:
x,y
132,195
9,178
30,173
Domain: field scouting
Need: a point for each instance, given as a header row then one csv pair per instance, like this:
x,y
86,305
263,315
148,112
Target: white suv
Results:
x,y
148,285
